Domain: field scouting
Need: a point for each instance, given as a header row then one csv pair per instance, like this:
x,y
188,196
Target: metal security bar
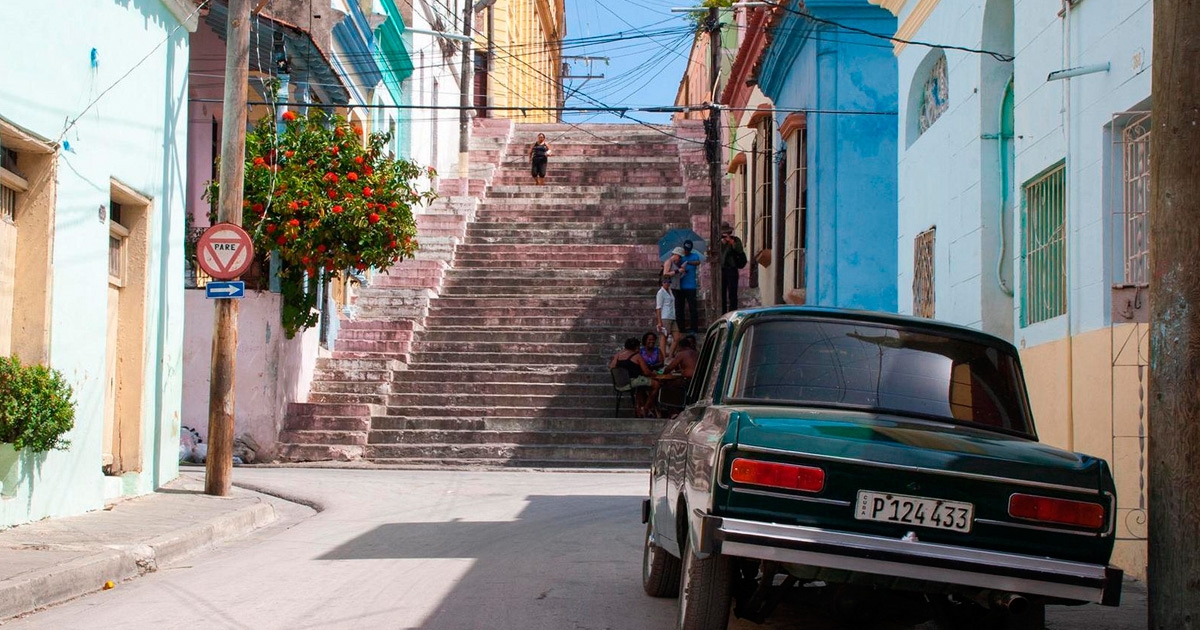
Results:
x,y
8,203
923,273
1136,179
797,208
1044,294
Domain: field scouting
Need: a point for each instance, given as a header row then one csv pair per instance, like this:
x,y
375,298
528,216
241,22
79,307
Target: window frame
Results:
x,y
925,241
1044,264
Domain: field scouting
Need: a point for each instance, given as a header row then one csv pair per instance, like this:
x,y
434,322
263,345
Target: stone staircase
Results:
x,y
493,349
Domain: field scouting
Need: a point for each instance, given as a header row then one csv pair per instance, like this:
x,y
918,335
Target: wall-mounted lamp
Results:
x,y
1077,71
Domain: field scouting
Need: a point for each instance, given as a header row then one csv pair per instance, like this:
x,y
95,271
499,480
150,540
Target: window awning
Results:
x,y
306,62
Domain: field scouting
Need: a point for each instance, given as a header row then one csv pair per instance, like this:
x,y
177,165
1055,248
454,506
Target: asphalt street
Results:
x,y
434,550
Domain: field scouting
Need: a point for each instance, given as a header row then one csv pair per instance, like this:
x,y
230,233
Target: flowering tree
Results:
x,y
323,201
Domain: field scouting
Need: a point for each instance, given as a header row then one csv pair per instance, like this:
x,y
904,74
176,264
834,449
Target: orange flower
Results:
x,y
352,176
289,116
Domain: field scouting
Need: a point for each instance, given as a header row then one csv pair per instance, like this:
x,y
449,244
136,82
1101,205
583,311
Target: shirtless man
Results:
x,y
685,359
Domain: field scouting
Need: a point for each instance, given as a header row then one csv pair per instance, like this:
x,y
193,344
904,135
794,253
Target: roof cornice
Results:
x,y
895,6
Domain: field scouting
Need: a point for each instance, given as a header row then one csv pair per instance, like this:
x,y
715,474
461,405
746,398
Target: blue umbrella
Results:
x,y
675,238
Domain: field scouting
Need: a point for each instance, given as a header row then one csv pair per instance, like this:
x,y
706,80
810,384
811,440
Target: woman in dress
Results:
x,y
538,156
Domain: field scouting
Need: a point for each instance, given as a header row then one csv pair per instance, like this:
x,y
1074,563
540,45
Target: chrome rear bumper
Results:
x,y
917,560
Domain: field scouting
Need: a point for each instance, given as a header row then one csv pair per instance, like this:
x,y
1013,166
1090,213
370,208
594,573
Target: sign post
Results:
x,y
219,465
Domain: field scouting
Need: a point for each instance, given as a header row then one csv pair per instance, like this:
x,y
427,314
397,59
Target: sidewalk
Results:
x,y
58,559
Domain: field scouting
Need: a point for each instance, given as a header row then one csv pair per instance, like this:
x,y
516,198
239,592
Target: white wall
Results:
x,y
1048,130
431,66
949,175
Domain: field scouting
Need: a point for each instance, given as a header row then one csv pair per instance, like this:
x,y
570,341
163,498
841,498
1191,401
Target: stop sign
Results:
x,y
224,251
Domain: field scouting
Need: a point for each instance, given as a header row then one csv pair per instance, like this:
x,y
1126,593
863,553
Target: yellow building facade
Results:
x,y
523,65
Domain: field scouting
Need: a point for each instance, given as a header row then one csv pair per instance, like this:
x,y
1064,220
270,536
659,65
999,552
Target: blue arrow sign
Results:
x,y
225,290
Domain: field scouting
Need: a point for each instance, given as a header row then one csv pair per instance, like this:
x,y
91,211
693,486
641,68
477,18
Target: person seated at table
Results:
x,y
645,388
685,359
650,352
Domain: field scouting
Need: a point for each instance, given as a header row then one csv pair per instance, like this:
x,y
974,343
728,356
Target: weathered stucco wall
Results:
x,y
272,370
1104,414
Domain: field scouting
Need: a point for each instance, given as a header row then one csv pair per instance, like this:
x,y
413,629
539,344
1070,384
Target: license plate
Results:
x,y
919,511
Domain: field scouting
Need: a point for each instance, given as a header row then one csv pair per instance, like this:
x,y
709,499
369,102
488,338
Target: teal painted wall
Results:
x,y
136,133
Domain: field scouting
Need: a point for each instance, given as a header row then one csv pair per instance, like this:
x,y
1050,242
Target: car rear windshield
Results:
x,y
881,368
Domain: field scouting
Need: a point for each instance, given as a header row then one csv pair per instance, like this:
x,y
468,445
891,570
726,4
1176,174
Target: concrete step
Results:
x,y
514,454
324,437
646,426
527,436
457,388
506,336
464,356
531,375
289,452
627,324
327,423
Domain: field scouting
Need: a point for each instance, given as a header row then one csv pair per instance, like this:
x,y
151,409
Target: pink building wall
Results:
x,y
272,370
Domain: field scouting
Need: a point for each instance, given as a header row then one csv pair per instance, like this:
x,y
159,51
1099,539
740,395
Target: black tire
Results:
x,y
705,591
660,570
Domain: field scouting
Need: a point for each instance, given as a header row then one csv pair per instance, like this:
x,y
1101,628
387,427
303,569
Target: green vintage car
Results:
x,y
878,464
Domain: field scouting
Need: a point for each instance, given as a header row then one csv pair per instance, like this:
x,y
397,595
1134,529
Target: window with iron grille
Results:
x,y
797,206
739,199
764,157
8,203
1135,178
1044,247
923,273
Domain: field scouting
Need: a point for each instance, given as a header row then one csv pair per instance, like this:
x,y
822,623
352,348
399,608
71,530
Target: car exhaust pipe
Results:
x,y
1012,603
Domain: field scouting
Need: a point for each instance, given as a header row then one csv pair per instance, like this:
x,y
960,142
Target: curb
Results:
x,y
57,584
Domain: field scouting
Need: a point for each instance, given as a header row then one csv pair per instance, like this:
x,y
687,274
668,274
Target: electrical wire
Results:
x,y
912,42
71,123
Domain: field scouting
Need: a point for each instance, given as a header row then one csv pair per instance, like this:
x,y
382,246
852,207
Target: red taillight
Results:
x,y
1047,510
776,475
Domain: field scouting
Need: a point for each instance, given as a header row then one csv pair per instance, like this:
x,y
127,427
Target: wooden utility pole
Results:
x,y
712,151
1174,445
464,100
219,465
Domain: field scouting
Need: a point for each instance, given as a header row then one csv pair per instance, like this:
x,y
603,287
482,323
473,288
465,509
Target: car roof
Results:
x,y
876,317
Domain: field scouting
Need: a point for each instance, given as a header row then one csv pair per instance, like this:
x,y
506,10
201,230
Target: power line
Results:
x,y
71,123
854,29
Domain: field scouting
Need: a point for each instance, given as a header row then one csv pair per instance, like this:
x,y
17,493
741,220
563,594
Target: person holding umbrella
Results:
x,y
689,283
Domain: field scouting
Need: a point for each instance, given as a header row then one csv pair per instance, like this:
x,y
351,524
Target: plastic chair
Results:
x,y
622,385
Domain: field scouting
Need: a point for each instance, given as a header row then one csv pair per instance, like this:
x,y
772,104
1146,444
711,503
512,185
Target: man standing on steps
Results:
x,y
733,258
689,316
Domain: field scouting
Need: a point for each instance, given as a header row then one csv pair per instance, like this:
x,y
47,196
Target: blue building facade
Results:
x,y
833,133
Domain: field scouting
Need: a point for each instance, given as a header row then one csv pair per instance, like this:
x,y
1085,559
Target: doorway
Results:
x,y
128,254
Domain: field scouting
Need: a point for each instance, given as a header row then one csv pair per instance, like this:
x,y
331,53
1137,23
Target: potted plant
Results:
x,y
37,409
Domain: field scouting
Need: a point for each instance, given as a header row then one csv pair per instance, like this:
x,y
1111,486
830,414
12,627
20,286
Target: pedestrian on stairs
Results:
x,y
539,155
685,298
664,317
733,259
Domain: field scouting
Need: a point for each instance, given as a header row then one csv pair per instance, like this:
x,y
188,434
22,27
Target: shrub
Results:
x,y
326,201
36,406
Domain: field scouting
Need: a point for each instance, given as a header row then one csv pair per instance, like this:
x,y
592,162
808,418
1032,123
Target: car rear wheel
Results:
x,y
705,591
660,570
